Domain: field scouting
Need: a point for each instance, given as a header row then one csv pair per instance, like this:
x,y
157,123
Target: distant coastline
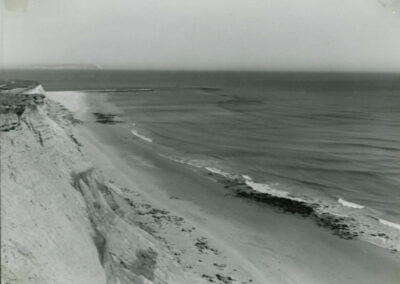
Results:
x,y
54,67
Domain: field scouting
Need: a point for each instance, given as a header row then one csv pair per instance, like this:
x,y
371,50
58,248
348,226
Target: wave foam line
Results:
x,y
147,139
350,204
218,172
264,188
329,214
389,224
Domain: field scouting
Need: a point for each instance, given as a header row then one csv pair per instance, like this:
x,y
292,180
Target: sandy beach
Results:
x,y
210,232
199,142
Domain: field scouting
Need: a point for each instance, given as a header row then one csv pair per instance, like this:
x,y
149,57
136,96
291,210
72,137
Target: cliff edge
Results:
x,y
59,223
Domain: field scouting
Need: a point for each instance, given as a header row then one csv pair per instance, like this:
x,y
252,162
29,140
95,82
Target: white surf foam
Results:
x,y
357,220
136,133
350,204
390,224
218,172
147,139
246,177
265,188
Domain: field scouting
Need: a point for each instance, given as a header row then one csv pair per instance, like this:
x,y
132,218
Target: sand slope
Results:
x,y
57,226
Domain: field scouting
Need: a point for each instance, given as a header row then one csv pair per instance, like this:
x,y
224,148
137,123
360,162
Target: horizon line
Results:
x,y
95,67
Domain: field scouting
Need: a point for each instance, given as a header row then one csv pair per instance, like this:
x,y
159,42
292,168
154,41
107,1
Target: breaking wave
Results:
x,y
390,224
140,136
350,204
345,219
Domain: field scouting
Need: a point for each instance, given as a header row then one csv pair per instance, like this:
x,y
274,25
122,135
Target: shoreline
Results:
x,y
86,201
63,221
146,171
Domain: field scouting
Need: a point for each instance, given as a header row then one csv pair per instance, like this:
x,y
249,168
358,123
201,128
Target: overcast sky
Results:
x,y
330,35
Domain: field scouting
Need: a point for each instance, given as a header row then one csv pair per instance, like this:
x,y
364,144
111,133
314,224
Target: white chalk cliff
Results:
x,y
59,223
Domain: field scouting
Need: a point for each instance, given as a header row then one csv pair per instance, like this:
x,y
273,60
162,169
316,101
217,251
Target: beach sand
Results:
x,y
210,232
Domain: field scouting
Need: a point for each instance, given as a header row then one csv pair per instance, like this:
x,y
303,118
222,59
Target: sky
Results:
x,y
287,35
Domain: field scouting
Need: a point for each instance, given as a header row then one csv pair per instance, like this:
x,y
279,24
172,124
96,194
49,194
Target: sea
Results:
x,y
331,140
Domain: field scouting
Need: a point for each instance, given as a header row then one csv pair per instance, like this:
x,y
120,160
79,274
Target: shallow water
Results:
x,y
331,139
339,138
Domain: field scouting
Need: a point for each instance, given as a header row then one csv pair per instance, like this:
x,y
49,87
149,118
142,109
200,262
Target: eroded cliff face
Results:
x,y
17,97
46,233
59,223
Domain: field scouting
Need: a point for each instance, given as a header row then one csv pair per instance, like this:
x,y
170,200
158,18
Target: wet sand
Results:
x,y
223,238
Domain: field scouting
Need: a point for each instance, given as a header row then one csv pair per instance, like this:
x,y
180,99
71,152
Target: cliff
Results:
x,y
59,220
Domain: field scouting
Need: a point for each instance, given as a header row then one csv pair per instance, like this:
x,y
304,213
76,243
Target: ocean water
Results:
x,y
327,139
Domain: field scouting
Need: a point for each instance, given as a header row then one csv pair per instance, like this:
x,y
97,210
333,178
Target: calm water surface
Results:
x,y
320,136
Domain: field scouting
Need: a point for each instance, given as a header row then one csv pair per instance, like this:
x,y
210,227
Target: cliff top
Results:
x,y
15,96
